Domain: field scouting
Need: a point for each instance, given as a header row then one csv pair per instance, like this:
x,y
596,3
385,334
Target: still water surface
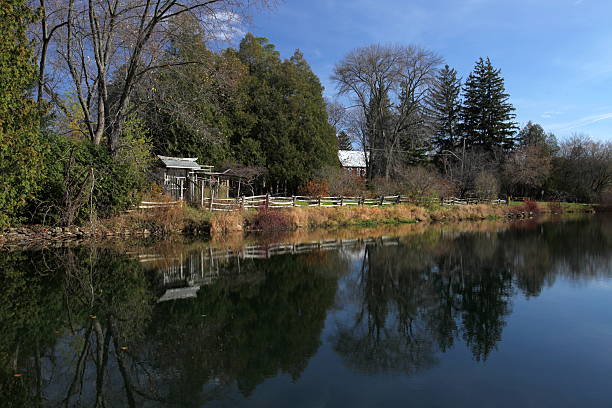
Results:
x,y
488,315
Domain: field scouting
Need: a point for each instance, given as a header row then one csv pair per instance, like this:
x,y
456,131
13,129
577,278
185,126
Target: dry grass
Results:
x,y
155,220
468,212
224,222
360,216
313,217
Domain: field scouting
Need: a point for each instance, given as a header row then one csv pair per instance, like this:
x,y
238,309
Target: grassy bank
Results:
x,y
191,221
361,216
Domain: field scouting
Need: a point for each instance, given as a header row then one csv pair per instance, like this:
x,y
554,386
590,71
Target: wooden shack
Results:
x,y
185,179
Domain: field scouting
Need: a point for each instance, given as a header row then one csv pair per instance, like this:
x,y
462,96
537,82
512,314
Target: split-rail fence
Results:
x,y
271,202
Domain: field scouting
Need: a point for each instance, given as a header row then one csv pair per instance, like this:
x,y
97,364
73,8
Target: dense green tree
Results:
x,y
532,134
20,143
443,107
187,108
286,113
487,116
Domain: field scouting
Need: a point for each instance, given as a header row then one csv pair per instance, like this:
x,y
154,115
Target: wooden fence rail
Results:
x,y
267,201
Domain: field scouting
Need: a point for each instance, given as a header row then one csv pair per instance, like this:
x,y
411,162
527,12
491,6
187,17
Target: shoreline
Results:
x,y
219,225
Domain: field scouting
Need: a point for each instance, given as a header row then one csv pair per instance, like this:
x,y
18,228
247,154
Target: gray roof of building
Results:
x,y
180,162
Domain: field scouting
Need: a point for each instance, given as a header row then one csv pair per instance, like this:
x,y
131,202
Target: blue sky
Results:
x,y
555,55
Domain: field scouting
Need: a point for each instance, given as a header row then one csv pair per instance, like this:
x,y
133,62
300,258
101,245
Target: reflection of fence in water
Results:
x,y
183,276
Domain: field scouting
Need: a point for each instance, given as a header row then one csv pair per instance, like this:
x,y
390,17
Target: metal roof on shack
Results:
x,y
180,162
352,158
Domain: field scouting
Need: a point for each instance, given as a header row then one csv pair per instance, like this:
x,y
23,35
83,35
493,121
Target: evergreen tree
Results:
x,y
344,141
285,117
20,143
379,123
187,109
443,107
533,135
487,116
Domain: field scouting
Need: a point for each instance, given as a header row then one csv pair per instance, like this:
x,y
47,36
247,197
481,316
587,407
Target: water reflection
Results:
x,y
191,324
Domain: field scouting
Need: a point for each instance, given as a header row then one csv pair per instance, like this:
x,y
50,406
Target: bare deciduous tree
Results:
x,y
584,168
336,114
387,85
527,169
89,44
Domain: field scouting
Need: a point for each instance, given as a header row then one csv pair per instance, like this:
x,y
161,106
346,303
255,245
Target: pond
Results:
x,y
463,315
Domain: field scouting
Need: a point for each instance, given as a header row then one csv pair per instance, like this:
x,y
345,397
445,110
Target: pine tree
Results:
x,y
20,143
443,108
344,141
487,116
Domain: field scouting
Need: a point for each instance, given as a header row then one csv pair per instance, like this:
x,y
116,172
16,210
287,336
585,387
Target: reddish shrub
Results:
x,y
268,219
531,206
315,188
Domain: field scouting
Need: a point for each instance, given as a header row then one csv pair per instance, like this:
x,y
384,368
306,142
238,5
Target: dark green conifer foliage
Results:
x,y
533,134
285,116
443,107
344,141
379,120
20,142
486,114
186,108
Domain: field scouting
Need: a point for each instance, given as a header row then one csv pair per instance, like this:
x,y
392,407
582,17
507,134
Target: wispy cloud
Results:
x,y
548,115
588,120
226,26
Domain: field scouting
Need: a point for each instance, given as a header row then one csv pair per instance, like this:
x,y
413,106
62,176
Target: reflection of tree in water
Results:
x,y
420,297
245,333
80,328
69,313
388,334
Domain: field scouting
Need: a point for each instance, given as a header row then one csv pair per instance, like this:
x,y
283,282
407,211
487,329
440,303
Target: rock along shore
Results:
x,y
42,237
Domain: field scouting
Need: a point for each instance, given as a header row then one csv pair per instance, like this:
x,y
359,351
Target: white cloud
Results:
x,y
225,26
588,120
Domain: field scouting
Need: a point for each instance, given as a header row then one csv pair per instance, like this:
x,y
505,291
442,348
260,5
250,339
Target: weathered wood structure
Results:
x,y
185,179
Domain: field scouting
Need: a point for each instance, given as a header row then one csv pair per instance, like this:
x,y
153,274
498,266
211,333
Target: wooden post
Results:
x,y
212,198
399,198
201,193
242,202
181,186
319,201
267,200
382,199
341,201
293,201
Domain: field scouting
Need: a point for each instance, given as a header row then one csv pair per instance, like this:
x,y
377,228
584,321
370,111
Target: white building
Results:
x,y
353,161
